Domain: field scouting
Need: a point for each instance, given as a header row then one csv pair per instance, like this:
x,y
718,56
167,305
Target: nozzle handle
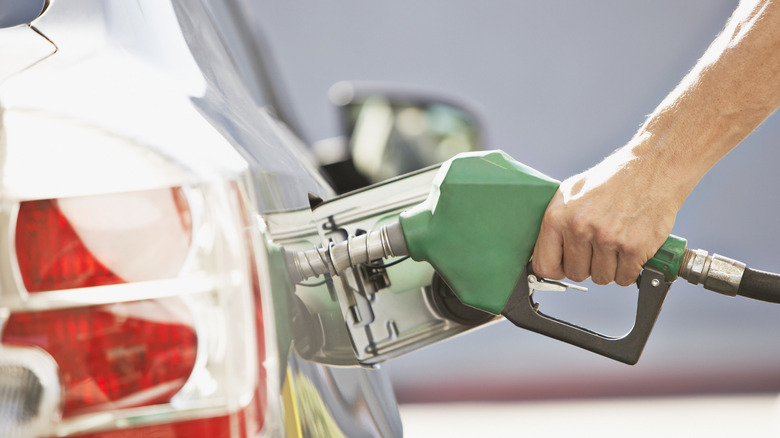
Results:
x,y
524,312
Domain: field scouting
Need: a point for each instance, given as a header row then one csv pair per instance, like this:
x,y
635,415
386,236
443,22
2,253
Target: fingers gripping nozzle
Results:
x,y
388,241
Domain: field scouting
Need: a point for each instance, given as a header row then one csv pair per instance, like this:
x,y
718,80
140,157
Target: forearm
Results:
x,y
609,220
732,89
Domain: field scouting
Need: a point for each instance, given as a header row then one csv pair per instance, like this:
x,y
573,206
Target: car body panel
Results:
x,y
125,96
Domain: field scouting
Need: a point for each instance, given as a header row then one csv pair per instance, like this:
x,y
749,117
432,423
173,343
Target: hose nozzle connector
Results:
x,y
716,273
387,241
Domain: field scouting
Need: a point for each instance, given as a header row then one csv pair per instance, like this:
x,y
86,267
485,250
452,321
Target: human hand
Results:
x,y
607,222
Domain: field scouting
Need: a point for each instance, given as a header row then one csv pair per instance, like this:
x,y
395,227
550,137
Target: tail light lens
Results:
x,y
148,304
118,355
105,239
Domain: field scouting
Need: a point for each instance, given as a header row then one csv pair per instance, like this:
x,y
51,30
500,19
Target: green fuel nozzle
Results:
x,y
479,225
478,228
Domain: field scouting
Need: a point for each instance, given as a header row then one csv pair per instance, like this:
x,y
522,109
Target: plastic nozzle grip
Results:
x,y
479,225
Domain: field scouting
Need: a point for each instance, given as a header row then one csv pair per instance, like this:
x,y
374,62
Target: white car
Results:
x,y
148,185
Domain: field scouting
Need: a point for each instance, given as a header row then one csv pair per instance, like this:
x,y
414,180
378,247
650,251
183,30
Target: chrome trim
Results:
x,y
114,293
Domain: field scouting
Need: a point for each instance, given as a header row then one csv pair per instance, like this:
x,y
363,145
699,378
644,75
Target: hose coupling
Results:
x,y
715,272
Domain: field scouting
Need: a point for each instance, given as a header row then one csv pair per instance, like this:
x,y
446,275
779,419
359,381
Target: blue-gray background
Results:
x,y
558,85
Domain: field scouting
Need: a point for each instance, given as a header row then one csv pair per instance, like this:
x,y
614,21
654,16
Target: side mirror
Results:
x,y
15,12
389,131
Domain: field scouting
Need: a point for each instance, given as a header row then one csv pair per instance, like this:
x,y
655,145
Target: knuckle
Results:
x,y
606,238
581,228
577,276
626,281
546,271
538,267
554,216
628,274
630,249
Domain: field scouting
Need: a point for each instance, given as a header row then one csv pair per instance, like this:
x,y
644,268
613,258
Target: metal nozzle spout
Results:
x,y
387,241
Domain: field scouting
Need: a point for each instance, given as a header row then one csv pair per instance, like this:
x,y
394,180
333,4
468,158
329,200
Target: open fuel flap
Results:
x,y
374,311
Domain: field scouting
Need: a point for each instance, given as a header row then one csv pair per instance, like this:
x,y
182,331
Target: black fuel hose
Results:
x,y
728,276
760,285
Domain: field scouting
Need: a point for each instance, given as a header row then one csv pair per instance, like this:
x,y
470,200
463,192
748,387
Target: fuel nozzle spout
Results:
x,y
387,241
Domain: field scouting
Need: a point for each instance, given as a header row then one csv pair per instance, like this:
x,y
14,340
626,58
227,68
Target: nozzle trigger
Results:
x,y
521,310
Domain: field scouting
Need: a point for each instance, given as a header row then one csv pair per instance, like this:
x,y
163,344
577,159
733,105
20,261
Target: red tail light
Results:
x,y
50,254
94,247
110,356
144,304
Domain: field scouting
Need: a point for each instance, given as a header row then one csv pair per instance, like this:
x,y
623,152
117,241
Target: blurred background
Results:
x,y
559,85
